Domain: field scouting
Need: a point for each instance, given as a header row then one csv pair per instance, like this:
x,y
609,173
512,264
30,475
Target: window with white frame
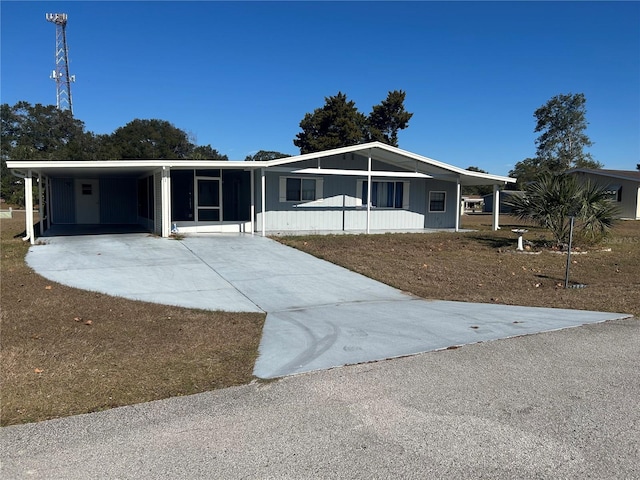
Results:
x,y
614,192
385,194
437,201
300,189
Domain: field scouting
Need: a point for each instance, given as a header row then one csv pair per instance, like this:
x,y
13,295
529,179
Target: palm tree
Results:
x,y
552,199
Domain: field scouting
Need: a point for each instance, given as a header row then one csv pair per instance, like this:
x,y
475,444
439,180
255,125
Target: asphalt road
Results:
x,y
561,404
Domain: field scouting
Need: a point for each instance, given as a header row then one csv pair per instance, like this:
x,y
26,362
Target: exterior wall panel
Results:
x,y
118,201
145,217
446,219
63,204
629,203
341,207
396,220
157,203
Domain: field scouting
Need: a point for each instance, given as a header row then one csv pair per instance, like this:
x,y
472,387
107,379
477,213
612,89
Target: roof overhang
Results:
x,y
410,165
86,168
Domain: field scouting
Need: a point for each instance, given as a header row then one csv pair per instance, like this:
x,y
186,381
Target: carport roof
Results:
x,y
116,167
403,159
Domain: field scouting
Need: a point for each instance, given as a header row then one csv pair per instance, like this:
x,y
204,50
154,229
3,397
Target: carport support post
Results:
x,y
263,199
369,193
496,207
28,205
458,200
165,194
253,200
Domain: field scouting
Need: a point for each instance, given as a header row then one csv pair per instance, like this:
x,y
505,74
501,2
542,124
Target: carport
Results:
x,y
84,197
88,197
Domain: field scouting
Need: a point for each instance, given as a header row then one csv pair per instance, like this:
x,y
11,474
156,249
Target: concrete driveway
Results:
x,y
319,315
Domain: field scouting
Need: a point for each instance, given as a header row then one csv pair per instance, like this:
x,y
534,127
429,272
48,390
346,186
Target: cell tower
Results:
x,y
61,73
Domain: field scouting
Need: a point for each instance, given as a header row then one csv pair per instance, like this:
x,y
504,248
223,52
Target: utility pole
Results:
x,y
61,73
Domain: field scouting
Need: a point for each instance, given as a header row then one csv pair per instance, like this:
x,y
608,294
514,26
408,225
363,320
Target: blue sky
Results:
x,y
241,75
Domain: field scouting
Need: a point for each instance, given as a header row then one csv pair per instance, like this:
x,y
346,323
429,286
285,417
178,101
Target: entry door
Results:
x,y
209,199
87,201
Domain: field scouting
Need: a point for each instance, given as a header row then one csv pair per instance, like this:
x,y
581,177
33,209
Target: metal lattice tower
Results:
x,y
61,72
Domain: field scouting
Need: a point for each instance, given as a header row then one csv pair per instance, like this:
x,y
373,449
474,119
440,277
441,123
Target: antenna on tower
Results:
x,y
61,73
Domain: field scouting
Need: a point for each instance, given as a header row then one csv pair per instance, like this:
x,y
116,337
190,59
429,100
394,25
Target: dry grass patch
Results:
x,y
67,351
482,266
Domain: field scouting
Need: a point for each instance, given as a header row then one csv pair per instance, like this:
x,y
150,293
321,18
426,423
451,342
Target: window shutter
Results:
x,y
405,195
283,189
319,188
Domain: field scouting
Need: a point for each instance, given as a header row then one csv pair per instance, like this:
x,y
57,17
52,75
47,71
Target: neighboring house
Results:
x,y
360,188
473,203
623,187
505,197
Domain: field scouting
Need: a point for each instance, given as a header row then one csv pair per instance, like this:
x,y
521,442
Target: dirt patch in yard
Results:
x,y
67,351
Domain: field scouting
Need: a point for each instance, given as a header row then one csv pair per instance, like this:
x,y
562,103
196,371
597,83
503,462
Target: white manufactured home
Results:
x,y
361,188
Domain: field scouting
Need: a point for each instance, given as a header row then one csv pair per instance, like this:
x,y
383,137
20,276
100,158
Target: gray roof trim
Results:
x,y
630,175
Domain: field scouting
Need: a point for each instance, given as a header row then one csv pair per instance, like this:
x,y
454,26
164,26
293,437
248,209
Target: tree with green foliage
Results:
x,y
265,155
11,187
339,123
561,145
37,132
146,139
40,132
553,199
387,118
562,122
527,171
206,152
43,132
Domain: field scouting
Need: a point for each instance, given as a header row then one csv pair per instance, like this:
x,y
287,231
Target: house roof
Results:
x,y
632,175
409,161
410,165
